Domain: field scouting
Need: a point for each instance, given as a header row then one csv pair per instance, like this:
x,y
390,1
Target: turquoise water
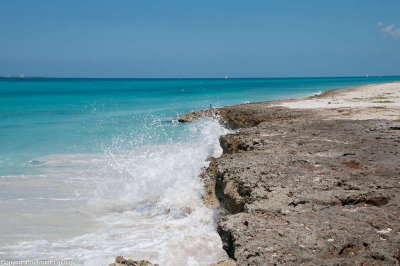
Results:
x,y
47,116
93,168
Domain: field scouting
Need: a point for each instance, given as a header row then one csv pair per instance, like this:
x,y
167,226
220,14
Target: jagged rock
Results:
x,y
292,197
208,176
121,261
195,115
244,115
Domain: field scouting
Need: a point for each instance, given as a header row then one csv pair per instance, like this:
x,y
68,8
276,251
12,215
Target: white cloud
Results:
x,y
390,30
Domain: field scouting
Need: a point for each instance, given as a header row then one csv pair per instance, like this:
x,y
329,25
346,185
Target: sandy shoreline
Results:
x,y
310,181
358,100
374,101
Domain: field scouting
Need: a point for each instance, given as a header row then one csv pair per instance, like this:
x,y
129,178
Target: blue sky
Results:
x,y
129,38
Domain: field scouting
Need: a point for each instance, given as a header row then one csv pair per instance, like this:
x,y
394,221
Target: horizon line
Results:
x,y
227,77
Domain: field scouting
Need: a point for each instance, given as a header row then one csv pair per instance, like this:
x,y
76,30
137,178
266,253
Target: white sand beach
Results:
x,y
376,101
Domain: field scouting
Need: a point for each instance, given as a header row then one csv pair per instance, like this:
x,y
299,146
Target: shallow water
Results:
x,y
144,202
95,168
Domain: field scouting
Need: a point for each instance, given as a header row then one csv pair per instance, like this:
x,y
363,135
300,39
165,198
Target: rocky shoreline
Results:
x,y
307,186
300,185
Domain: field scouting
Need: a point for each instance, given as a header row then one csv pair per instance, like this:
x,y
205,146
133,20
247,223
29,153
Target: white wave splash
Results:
x,y
143,203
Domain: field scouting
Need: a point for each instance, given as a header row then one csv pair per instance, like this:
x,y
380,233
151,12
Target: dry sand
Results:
x,y
376,101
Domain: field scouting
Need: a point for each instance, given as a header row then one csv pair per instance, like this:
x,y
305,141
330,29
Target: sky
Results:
x,y
184,39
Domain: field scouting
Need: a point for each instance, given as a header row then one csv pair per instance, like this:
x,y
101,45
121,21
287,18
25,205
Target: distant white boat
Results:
x,y
226,77
366,76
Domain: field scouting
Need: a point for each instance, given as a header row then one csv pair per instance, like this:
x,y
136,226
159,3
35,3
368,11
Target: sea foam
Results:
x,y
144,202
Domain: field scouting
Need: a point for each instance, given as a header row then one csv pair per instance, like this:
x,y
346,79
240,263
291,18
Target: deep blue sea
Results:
x,y
95,168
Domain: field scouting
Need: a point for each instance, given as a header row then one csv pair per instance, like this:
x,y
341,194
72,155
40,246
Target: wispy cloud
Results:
x,y
390,30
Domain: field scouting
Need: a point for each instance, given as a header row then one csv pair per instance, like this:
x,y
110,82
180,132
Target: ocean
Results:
x,y
95,168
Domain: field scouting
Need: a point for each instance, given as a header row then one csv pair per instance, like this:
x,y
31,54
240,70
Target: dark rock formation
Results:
x,y
195,115
121,261
301,190
244,115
